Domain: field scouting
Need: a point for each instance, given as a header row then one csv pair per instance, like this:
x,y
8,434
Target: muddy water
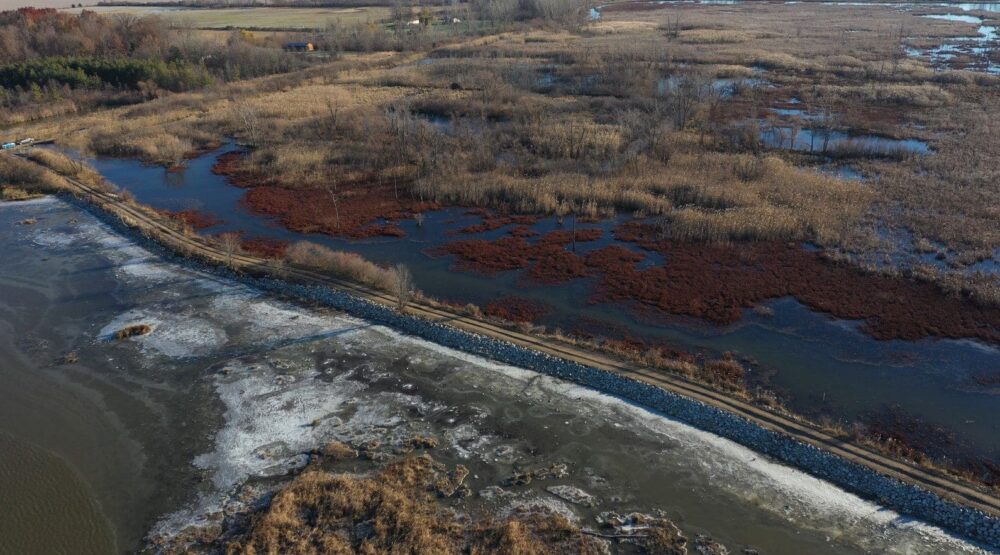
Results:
x,y
38,486
822,366
92,450
232,388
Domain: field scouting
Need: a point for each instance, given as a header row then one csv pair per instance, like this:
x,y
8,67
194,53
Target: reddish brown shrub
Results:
x,y
265,247
517,309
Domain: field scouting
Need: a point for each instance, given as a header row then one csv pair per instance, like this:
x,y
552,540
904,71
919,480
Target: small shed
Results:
x,y
300,47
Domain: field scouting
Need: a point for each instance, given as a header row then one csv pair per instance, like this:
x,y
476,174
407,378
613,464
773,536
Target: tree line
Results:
x,y
96,73
75,61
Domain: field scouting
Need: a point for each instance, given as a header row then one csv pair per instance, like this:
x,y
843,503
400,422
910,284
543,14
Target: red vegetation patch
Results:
x,y
194,218
358,206
493,221
359,203
517,309
616,337
716,282
265,247
228,164
548,258
383,230
557,266
566,237
490,257
614,256
523,231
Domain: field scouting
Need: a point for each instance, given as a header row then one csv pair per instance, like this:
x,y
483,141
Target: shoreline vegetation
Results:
x,y
664,114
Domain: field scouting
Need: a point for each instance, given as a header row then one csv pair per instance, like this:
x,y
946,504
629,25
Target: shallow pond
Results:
x,y
725,88
232,387
823,365
975,51
798,113
956,17
807,139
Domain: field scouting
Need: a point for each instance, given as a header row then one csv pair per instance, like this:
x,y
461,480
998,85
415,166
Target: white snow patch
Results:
x,y
53,239
467,441
270,320
132,260
174,334
540,505
573,494
41,201
274,416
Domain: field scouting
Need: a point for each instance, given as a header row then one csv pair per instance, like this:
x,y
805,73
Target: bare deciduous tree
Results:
x,y
230,243
249,119
404,286
331,189
278,266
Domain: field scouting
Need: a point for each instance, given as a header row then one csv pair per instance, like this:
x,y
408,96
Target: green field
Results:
x,y
252,18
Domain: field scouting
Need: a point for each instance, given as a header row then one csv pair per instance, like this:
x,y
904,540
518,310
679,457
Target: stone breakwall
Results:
x,y
905,498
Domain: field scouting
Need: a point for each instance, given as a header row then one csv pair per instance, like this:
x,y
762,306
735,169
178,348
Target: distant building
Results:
x,y
300,47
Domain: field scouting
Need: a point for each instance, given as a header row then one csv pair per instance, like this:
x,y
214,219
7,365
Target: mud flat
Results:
x,y
274,381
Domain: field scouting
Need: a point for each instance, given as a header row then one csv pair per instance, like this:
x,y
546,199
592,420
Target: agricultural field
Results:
x,y
249,18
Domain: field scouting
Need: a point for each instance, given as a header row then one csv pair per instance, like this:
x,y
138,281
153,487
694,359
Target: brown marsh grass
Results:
x,y
394,510
574,120
343,264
